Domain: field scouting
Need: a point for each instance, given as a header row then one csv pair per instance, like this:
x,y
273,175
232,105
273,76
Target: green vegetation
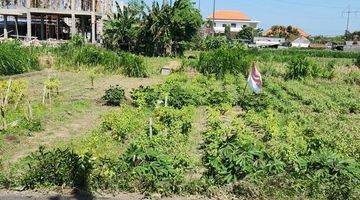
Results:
x,y
248,33
133,66
76,55
114,96
224,60
200,130
301,67
15,59
288,32
155,31
60,167
296,133
357,61
215,42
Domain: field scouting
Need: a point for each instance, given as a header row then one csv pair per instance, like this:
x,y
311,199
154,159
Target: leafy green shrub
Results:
x,y
188,64
75,53
300,67
215,42
77,41
114,95
270,70
133,65
31,124
173,121
357,61
352,77
153,168
257,103
15,59
144,96
91,55
57,168
124,123
329,70
299,162
284,54
180,91
180,96
225,60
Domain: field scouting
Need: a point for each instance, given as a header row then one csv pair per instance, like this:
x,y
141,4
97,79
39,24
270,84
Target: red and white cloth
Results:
x,y
254,80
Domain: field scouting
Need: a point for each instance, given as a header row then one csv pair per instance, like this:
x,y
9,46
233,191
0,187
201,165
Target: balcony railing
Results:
x,y
101,6
12,4
51,4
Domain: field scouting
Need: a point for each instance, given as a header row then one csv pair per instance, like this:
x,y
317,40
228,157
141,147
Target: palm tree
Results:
x,y
121,29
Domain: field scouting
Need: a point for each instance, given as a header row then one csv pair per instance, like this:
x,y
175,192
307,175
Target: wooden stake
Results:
x,y
7,93
4,104
18,100
150,127
246,83
44,94
166,101
30,115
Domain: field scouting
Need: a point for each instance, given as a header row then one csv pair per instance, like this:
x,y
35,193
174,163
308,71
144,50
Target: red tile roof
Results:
x,y
302,32
229,15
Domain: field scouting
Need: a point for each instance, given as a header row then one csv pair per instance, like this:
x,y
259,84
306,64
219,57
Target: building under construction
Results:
x,y
53,19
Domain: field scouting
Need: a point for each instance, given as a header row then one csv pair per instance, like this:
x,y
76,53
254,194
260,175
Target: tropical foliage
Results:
x,y
15,59
114,96
288,32
158,31
227,59
248,33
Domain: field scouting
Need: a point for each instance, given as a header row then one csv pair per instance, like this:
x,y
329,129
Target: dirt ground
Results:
x,y
74,86
33,195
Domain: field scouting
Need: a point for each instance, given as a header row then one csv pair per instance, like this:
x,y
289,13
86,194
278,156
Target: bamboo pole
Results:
x,y
150,127
44,94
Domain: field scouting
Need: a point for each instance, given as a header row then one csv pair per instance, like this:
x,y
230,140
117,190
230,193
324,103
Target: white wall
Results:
x,y
300,45
239,24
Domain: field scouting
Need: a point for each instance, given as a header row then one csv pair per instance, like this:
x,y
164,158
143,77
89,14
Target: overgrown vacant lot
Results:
x,y
198,131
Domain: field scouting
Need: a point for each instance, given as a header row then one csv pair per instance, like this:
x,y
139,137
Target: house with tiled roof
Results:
x,y
302,33
235,19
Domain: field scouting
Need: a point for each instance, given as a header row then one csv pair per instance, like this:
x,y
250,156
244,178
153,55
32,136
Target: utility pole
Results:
x,y
165,2
199,5
348,12
213,19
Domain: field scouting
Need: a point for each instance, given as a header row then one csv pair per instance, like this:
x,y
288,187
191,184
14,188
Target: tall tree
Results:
x,y
248,33
288,32
160,30
121,29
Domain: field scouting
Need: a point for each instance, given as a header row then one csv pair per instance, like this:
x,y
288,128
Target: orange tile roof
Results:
x,y
302,32
229,15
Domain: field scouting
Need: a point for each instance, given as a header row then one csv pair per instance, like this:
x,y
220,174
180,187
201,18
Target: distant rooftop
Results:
x,y
229,15
301,31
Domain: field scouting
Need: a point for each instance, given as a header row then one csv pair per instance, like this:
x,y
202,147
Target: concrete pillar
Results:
x,y
28,20
73,25
5,27
93,22
82,25
28,24
73,19
93,28
165,3
57,27
42,29
16,27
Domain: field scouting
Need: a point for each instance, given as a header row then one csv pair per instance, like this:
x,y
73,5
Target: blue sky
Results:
x,y
317,17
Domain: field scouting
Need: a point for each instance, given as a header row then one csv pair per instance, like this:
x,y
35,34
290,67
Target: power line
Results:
x,y
349,12
307,4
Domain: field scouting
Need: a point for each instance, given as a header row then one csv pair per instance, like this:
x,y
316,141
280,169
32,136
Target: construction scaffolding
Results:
x,y
53,19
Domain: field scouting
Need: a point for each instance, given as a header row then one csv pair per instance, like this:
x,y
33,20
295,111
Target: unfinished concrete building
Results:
x,y
53,19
